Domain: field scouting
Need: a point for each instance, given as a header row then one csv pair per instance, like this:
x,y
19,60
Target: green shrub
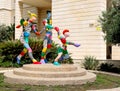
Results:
x,y
11,31
7,32
90,63
65,61
108,67
9,50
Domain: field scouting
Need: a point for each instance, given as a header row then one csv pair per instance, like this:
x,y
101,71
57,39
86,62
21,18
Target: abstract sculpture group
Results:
x,y
29,25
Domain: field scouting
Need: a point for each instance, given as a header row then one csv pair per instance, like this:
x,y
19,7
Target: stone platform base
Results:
x,y
48,74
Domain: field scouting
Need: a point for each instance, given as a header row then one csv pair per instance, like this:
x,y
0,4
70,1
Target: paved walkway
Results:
x,y
113,89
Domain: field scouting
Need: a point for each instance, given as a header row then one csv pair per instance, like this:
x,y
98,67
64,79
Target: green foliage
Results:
x,y
9,50
65,61
7,32
110,22
3,33
108,67
90,63
52,53
11,31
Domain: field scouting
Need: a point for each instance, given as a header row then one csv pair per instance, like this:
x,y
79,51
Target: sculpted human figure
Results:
x,y
48,37
27,25
62,50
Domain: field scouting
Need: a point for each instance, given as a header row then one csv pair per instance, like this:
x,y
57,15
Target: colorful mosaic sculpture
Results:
x,y
48,37
27,25
62,50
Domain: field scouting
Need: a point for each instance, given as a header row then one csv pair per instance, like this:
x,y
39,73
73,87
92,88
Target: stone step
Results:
x,y
58,74
50,67
10,77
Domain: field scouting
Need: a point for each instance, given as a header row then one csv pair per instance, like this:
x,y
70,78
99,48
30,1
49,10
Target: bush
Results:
x,y
108,67
90,63
11,31
7,32
9,50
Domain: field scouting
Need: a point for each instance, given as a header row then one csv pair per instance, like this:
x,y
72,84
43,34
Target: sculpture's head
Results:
x,y
66,33
49,20
32,16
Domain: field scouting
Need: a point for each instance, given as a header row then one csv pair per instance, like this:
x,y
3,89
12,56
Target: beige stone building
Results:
x,y
79,16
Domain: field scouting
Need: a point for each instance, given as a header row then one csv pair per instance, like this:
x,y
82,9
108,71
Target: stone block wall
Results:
x,y
80,17
6,9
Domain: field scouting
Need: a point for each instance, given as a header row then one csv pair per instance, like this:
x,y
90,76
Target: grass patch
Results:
x,y
102,82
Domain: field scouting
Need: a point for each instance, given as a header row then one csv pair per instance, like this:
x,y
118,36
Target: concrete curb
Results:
x,y
103,72
113,89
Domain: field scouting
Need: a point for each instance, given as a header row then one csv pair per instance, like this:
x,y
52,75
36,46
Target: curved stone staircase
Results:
x,y
48,74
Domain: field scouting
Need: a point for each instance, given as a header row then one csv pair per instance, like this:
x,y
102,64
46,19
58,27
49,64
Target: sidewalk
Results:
x,y
113,89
